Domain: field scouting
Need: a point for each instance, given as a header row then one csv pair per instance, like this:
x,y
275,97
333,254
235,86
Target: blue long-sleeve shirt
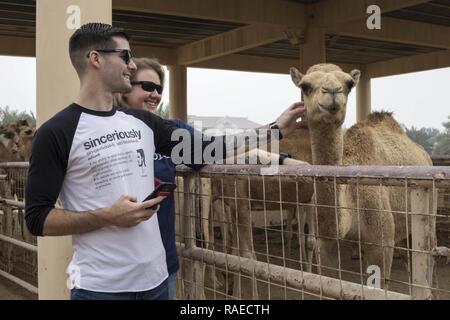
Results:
x,y
165,171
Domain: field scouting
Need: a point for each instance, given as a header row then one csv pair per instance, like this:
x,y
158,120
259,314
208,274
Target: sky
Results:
x,y
417,99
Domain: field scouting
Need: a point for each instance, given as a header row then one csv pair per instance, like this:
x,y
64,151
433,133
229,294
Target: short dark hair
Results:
x,y
92,36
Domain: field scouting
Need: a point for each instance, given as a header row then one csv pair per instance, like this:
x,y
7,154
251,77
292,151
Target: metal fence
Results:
x,y
340,246
245,235
18,251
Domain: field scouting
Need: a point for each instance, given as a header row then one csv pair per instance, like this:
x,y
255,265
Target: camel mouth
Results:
x,y
324,109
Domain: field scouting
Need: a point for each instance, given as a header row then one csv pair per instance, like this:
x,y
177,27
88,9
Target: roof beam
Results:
x,y
165,56
230,42
416,63
17,46
331,12
398,30
250,63
287,13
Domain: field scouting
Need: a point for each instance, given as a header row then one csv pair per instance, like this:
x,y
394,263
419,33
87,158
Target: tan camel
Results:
x,y
378,141
26,135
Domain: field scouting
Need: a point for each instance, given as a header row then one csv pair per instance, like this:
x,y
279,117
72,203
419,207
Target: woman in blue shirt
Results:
x,y
148,85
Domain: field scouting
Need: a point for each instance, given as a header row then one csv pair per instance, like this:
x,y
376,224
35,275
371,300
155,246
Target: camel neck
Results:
x,y
326,145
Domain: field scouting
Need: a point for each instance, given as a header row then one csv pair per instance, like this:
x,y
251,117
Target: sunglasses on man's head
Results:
x,y
148,86
125,54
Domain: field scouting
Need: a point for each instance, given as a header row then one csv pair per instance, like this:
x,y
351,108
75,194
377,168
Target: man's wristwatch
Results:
x,y
274,126
283,156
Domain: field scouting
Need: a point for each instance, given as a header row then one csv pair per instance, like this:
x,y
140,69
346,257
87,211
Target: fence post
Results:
x,y
423,209
193,275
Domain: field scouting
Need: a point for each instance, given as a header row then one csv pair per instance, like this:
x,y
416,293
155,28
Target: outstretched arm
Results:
x,y
291,119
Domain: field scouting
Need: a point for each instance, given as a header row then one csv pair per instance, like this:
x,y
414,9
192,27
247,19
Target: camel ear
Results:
x,y
296,76
355,74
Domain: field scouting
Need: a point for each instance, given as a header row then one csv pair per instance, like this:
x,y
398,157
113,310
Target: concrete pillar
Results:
x,y
178,92
57,87
312,51
363,98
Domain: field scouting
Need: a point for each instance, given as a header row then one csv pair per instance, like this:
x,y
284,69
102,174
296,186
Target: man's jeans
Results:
x,y
159,293
172,285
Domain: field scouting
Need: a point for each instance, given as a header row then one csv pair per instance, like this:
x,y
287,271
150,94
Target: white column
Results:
x,y
57,87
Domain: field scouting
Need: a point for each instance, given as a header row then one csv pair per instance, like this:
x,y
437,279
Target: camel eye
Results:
x,y
306,87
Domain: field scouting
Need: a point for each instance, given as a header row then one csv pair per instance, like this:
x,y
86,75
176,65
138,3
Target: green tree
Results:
x,y
442,146
426,137
8,115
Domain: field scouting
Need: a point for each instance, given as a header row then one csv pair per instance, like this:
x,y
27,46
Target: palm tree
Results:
x,y
424,136
442,146
8,115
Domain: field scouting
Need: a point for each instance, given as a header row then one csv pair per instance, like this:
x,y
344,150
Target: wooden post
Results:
x,y
178,92
363,97
57,87
423,221
193,270
312,51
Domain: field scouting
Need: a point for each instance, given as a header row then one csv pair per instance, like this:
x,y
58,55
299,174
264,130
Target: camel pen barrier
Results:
x,y
278,276
208,268
18,248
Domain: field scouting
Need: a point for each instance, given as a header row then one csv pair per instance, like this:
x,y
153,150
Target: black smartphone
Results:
x,y
163,189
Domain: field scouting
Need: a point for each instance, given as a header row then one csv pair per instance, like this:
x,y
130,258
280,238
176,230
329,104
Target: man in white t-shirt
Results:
x,y
91,154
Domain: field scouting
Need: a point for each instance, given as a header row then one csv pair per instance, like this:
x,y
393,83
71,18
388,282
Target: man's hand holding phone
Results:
x,y
163,189
127,212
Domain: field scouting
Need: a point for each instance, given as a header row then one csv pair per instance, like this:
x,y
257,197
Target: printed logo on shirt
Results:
x,y
116,136
141,162
74,279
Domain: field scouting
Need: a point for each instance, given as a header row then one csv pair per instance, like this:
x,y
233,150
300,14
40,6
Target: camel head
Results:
x,y
325,89
10,142
26,135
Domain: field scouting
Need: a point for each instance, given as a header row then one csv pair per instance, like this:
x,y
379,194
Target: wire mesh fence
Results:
x,y
18,250
309,232
366,233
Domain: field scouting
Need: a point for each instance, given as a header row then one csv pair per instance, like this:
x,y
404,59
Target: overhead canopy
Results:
x,y
265,36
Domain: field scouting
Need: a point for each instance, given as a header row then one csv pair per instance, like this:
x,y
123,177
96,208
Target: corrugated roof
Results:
x,y
436,12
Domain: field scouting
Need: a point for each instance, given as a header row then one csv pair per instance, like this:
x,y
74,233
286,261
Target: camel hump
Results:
x,y
385,119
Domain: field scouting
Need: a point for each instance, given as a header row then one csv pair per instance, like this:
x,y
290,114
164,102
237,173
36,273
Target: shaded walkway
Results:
x,y
11,291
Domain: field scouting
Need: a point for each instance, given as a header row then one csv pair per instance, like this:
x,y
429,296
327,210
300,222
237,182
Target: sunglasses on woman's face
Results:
x,y
125,54
148,86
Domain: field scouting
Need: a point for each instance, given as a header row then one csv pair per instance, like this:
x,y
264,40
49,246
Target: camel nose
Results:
x,y
334,108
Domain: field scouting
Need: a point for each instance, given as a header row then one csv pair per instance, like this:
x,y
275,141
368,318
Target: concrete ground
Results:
x,y
11,291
